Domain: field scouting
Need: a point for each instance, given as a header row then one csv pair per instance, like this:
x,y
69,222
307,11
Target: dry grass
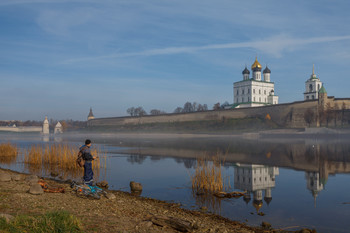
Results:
x,y
208,176
58,159
8,153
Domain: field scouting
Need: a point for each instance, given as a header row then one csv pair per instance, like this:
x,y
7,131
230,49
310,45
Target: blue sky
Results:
x,y
61,57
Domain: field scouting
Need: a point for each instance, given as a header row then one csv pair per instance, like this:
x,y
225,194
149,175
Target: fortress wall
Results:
x,y
291,115
22,129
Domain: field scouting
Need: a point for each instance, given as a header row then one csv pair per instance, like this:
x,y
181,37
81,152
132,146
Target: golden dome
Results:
x,y
257,204
256,64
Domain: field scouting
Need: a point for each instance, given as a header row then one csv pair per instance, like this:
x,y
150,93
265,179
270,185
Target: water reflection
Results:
x,y
270,172
315,183
254,179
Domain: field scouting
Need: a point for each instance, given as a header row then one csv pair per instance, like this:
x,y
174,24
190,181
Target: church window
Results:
x,y
265,178
253,91
242,91
260,179
318,87
265,92
248,91
237,91
259,91
310,87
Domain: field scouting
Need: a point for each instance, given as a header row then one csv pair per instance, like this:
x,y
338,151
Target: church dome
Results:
x,y
268,200
256,65
245,71
267,70
257,204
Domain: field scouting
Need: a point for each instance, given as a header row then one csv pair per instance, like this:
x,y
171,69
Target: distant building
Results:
x,y
46,127
312,86
58,128
91,115
253,92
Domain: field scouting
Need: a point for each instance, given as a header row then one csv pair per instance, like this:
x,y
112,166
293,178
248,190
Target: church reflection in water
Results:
x,y
257,181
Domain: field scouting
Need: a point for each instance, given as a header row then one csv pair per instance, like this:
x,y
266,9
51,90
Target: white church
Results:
x,y
254,91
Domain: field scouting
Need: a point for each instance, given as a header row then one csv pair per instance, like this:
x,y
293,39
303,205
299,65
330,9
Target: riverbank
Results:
x,y
125,213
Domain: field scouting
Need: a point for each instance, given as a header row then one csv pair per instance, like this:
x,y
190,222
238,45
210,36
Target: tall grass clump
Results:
x,y
208,176
58,222
8,153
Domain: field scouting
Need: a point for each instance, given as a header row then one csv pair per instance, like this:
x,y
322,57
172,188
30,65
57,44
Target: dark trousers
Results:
x,y
88,173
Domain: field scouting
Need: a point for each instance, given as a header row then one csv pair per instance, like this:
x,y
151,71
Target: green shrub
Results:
x,y
57,222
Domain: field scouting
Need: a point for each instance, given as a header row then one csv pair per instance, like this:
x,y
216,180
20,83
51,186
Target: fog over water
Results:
x,y
299,180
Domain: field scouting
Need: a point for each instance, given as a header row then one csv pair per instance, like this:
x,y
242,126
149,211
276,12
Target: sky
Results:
x,y
58,58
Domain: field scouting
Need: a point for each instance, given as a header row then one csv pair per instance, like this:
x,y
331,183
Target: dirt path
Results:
x,y
126,213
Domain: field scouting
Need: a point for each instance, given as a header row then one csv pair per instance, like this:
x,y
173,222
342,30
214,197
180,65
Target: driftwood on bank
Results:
x,y
175,223
229,195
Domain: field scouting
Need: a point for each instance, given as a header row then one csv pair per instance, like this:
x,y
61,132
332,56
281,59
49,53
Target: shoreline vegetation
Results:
x,y
127,213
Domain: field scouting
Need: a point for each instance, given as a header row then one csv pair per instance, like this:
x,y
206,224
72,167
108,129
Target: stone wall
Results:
x,y
21,129
289,115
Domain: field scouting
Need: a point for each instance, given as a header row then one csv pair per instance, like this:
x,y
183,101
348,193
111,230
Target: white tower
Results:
x,y
91,115
312,86
58,128
46,128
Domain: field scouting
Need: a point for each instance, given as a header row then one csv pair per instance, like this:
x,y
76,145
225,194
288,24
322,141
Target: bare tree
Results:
x,y
343,107
156,112
216,106
139,111
188,107
131,111
309,116
329,113
178,110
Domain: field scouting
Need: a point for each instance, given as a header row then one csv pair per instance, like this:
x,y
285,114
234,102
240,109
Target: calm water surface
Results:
x,y
304,183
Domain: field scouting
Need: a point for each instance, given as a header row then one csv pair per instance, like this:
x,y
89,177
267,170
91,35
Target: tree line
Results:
x,y
326,115
187,108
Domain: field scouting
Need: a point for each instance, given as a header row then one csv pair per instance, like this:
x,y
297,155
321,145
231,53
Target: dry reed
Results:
x,y
8,153
208,176
58,159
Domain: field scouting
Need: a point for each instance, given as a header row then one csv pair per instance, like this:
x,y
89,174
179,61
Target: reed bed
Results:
x,y
59,159
208,176
8,153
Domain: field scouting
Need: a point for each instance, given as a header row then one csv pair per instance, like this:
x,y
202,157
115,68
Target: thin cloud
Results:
x,y
274,46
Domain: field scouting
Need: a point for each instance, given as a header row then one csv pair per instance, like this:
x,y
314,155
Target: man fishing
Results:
x,y
86,154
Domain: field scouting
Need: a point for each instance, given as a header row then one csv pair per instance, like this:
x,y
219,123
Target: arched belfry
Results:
x,y
312,86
